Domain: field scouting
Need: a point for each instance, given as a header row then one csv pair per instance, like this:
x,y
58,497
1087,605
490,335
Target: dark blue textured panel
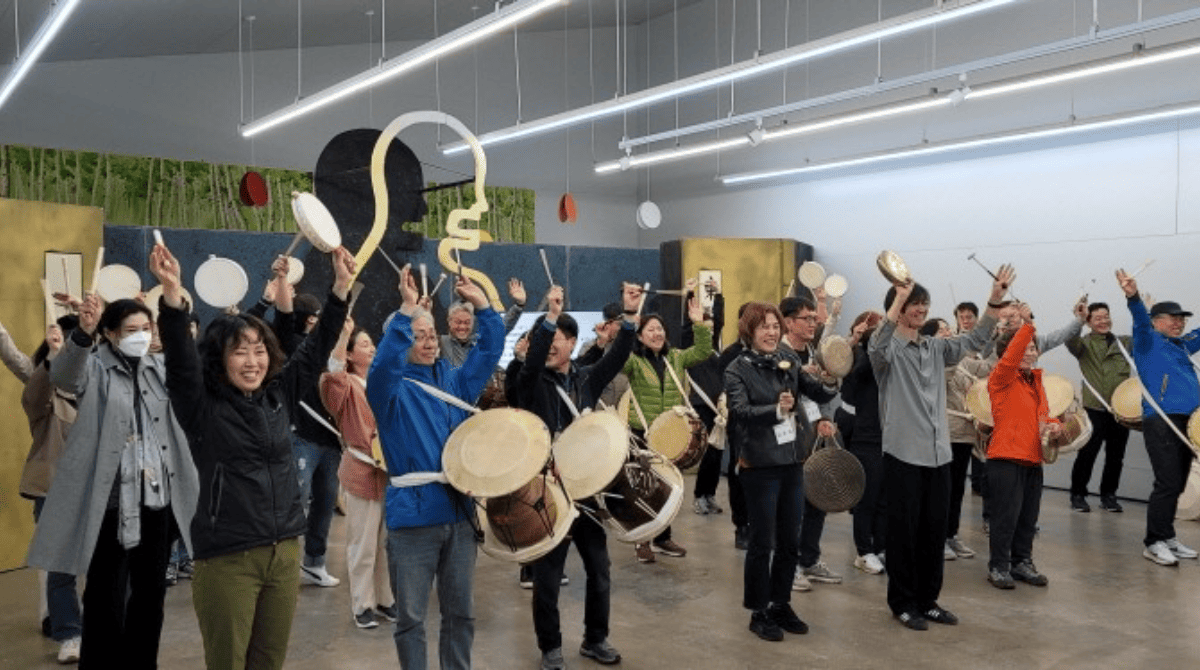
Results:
x,y
592,275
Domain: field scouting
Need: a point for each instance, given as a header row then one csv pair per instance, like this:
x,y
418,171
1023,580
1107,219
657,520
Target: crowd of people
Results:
x,y
155,439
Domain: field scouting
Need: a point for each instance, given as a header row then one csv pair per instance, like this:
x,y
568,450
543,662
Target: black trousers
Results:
x,y
870,514
1016,493
709,473
774,499
917,501
592,544
1171,461
123,599
737,498
1108,431
958,484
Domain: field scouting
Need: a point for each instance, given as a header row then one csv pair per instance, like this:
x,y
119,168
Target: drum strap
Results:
x,y
1097,394
562,392
319,419
682,389
418,479
700,392
1150,399
638,408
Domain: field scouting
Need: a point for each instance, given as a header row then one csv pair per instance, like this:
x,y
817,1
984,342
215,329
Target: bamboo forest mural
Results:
x,y
162,192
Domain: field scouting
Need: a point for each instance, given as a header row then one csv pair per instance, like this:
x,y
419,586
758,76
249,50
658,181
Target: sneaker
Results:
x,y
913,621
525,578
602,652
1001,579
172,574
317,576
961,550
1110,504
938,614
389,613
819,572
741,538
1160,553
47,630
365,619
1079,504
948,553
644,553
564,581
713,507
800,582
186,568
553,659
700,506
669,548
762,625
785,618
1179,549
68,651
1026,572
869,564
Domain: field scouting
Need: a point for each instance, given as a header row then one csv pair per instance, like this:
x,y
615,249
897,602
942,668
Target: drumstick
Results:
x,y
642,301
458,261
791,285
96,270
387,258
66,275
438,285
1139,270
158,240
424,281
992,274
546,265
445,397
355,290
50,313
295,243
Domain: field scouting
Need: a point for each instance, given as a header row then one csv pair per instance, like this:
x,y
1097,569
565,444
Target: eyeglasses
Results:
x,y
811,318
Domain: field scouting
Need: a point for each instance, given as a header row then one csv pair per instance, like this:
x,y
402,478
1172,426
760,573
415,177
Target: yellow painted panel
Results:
x,y
751,269
30,229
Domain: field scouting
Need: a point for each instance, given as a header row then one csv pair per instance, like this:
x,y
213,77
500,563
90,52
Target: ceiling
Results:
x,y
104,29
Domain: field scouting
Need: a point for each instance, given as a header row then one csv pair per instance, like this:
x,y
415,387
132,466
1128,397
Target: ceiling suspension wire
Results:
x,y
437,72
475,58
566,99
517,58
299,21
241,70
675,33
592,73
787,24
733,56
370,63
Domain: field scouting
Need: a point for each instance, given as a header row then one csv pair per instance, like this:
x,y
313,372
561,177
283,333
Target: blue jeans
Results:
x,y
416,556
318,468
590,540
774,504
61,598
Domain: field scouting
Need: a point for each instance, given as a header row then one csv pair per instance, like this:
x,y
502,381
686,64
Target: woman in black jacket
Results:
x,y
236,398
771,441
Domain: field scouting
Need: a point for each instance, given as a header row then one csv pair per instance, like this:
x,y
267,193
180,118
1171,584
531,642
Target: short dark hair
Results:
x,y
754,316
66,323
1095,306
1005,339
306,305
566,323
118,310
966,307
793,305
223,335
919,295
932,326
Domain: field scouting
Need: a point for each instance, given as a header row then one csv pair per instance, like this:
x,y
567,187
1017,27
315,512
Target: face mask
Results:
x,y
135,345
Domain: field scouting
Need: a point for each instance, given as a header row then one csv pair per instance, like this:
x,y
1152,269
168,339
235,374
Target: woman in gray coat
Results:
x,y
125,485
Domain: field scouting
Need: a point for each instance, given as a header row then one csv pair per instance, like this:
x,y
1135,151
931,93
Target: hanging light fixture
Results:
x,y
502,18
59,14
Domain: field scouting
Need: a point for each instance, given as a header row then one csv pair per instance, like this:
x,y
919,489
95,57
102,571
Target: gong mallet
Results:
x,y
992,274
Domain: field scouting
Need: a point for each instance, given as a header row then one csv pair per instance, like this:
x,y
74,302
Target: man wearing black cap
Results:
x,y
1161,353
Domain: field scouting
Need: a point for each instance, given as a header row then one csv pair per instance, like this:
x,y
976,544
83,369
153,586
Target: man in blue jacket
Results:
x,y
1161,352
430,531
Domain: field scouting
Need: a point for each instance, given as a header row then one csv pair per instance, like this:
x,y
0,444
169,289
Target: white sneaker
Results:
x,y
1161,554
801,583
68,651
948,553
317,576
1179,549
869,564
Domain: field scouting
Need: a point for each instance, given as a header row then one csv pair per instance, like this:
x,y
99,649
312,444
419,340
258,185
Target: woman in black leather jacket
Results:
x,y
771,441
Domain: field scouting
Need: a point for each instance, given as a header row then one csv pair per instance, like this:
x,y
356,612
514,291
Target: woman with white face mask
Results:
x,y
125,487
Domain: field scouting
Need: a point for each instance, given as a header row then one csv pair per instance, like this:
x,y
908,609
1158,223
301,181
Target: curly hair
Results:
x,y
222,337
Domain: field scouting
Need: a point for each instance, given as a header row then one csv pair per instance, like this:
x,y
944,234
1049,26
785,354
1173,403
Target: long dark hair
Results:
x,y
641,349
222,336
358,330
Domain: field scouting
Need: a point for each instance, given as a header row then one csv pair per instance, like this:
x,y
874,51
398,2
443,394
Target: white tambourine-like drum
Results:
x,y
154,294
315,222
648,216
836,286
221,282
295,271
810,274
116,282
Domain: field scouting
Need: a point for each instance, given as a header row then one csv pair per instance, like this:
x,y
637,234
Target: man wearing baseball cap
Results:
x,y
1161,352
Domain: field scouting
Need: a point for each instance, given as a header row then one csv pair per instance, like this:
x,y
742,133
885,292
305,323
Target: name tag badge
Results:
x,y
785,431
811,409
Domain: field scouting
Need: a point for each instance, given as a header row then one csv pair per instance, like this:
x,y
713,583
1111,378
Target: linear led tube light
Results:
x,y
673,154
500,19
53,23
1138,59
1103,123
746,69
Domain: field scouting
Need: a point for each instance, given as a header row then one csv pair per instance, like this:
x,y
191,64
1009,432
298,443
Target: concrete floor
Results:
x,y
1106,607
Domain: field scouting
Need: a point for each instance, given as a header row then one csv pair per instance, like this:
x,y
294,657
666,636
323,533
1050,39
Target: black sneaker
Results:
x,y
1110,504
1080,504
1026,572
1001,580
365,619
186,568
172,577
913,620
741,538
937,614
525,578
390,613
602,652
762,625
785,617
